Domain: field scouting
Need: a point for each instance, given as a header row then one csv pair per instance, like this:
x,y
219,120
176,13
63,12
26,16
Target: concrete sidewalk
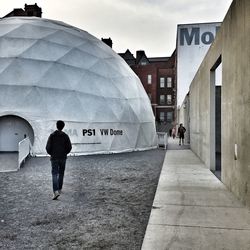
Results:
x,y
173,144
193,210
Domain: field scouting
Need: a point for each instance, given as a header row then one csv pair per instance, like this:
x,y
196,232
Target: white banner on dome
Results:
x,y
89,138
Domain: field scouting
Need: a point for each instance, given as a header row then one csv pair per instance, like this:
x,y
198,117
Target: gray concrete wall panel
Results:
x,y
232,43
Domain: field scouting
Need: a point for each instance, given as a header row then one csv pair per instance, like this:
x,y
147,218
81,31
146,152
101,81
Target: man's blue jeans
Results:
x,y
58,168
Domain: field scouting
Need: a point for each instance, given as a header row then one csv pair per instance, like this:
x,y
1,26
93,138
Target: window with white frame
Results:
x,y
162,82
162,99
169,82
169,99
149,79
162,116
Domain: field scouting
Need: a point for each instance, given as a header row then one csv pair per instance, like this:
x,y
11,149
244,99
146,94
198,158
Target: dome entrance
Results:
x,y
13,129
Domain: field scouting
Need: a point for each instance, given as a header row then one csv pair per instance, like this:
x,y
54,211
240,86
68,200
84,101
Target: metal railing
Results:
x,y
24,149
162,139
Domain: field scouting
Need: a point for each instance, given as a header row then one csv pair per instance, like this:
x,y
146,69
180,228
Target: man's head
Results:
x,y
181,124
60,125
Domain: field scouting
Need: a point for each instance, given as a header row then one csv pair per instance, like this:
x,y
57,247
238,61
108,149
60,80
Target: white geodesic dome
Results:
x,y
50,71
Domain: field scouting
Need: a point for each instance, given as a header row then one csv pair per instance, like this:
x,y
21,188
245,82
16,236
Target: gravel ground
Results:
x,y
105,204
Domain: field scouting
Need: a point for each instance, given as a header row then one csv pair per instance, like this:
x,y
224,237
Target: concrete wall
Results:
x,y
232,45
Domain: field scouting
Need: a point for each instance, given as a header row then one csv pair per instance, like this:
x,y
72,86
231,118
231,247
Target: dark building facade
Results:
x,y
29,10
158,76
108,41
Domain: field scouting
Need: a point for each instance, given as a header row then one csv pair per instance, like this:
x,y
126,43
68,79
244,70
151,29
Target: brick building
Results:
x,y
29,10
108,41
158,76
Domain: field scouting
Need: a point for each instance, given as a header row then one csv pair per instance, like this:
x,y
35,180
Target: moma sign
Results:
x,y
195,37
193,42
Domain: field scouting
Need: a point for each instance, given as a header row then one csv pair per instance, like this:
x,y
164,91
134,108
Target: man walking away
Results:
x,y
58,146
181,132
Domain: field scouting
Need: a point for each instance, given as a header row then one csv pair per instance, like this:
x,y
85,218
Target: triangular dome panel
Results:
x,y
28,31
78,59
53,52
11,47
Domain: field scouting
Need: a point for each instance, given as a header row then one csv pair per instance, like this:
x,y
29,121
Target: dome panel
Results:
x,y
48,52
24,72
116,66
114,91
60,76
129,87
92,48
79,59
64,38
29,31
14,47
102,68
5,63
6,28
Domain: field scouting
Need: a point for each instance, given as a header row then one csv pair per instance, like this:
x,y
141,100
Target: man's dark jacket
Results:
x,y
58,145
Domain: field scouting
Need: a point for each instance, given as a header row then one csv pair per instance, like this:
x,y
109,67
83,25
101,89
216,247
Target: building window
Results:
x,y
162,99
162,82
169,99
169,116
162,116
149,79
169,82
143,63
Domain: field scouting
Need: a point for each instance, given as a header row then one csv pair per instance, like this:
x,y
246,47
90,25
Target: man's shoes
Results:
x,y
60,191
56,195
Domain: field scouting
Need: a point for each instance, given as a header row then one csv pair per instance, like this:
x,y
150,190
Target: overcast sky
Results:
x,y
148,25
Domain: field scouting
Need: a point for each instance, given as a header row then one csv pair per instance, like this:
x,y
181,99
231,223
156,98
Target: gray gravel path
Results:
x,y
105,204
8,162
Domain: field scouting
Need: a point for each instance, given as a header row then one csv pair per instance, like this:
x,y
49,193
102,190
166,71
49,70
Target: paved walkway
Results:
x,y
173,144
193,210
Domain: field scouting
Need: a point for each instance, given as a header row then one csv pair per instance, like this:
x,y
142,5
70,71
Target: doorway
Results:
x,y
13,129
215,119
